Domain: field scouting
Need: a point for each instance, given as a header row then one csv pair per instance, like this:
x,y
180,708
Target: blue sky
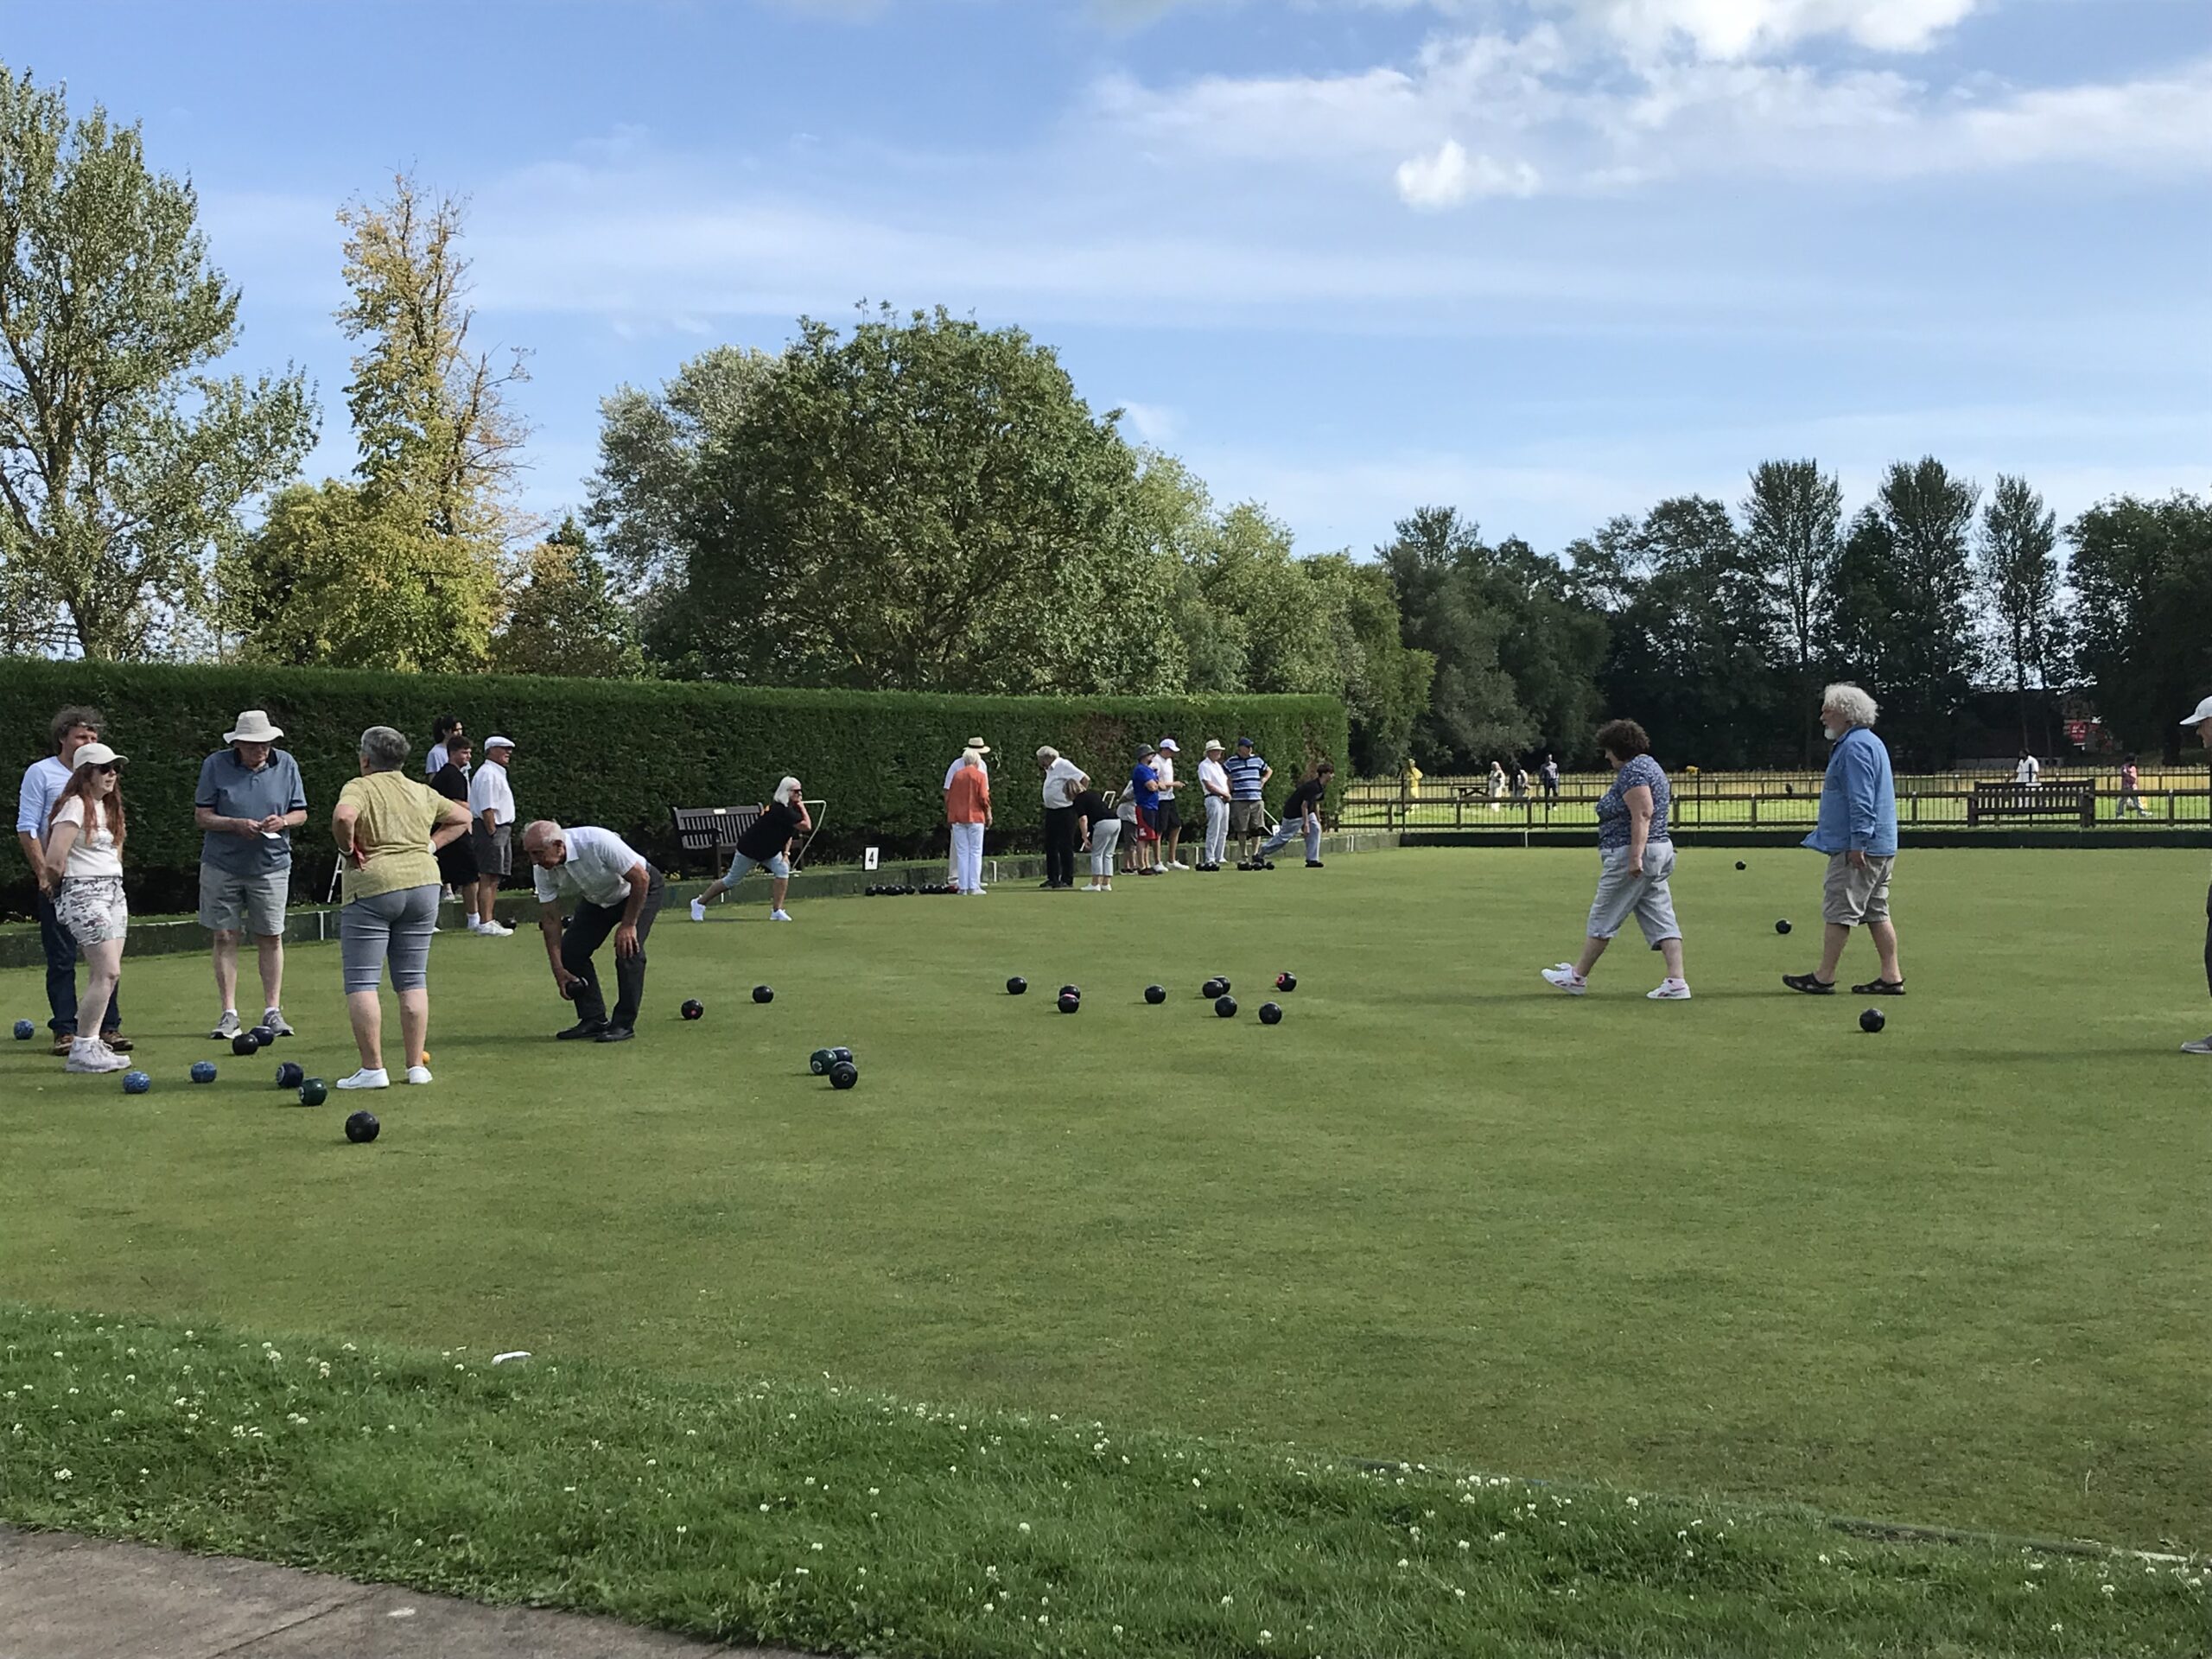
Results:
x,y
1544,260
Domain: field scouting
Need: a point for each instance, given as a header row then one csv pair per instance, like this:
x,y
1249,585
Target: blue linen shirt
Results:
x,y
43,782
1859,799
1615,828
233,792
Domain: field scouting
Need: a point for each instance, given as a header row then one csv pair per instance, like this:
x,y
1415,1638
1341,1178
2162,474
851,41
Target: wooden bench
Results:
x,y
712,829
1994,802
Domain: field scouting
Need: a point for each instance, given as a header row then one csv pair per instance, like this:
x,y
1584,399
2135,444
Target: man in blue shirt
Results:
x,y
1247,775
1858,829
249,801
43,783
1144,790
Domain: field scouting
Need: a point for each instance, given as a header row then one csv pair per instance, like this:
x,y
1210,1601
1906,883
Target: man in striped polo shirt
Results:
x,y
1247,775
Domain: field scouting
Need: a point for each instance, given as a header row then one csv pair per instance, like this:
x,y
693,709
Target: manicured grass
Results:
x,y
1952,1274
846,1521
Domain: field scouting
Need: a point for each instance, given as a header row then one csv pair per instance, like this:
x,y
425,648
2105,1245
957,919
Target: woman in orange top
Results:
x,y
967,809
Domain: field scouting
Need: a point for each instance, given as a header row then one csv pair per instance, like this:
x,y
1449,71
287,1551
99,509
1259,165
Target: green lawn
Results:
x,y
1952,1274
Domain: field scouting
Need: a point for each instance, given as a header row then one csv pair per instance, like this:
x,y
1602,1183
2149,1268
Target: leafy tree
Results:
x,y
1383,682
123,466
2019,576
2142,577
1473,716
1554,645
923,504
1903,603
564,617
1793,523
334,578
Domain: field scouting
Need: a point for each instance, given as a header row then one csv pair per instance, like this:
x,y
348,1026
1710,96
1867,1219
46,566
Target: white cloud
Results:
x,y
1733,29
1450,176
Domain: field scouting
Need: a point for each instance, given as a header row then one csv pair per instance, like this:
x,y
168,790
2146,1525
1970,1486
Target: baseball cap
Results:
x,y
2203,713
1169,745
93,755
1244,743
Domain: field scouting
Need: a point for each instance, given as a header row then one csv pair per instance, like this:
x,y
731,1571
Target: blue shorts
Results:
x,y
739,865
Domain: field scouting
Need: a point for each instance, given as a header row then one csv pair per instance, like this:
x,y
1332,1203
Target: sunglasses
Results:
x,y
109,769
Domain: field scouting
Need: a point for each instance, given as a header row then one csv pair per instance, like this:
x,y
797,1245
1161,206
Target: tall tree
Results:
x,y
1553,647
123,466
1793,535
2142,577
1903,603
564,618
1384,682
2019,578
1473,715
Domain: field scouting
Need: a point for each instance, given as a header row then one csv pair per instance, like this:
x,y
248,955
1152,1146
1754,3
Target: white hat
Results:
x,y
1169,745
979,746
92,754
490,743
1213,743
253,726
2203,713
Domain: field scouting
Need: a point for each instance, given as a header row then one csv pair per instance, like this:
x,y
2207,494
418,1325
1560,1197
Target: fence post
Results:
x,y
1755,811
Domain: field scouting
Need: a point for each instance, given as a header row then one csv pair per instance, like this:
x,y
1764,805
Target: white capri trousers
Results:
x,y
1105,836
1646,897
968,857
1216,830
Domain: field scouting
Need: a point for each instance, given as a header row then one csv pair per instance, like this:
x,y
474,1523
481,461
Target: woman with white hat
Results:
x,y
2201,721
84,879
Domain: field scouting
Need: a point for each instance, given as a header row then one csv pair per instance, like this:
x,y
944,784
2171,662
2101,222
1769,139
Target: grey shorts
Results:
x,y
495,852
743,864
1246,818
1852,898
392,927
244,904
1646,897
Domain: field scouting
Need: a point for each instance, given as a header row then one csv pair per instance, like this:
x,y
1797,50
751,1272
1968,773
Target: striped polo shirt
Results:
x,y
1244,776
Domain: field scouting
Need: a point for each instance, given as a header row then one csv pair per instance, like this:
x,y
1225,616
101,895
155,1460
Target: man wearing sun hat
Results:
x,y
2200,723
979,749
249,801
1213,784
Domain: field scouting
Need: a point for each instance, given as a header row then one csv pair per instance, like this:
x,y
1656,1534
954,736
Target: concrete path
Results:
x,y
69,1598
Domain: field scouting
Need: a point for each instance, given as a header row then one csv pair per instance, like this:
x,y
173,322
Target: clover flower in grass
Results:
x,y
63,1474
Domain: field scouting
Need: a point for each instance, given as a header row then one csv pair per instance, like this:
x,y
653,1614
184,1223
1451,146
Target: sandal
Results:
x,y
1879,988
1809,985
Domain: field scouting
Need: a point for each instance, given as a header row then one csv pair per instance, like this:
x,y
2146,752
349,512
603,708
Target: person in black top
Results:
x,y
766,841
1101,832
457,858
1302,814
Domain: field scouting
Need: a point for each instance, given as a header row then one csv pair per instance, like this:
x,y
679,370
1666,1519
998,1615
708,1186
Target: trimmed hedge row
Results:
x,y
622,753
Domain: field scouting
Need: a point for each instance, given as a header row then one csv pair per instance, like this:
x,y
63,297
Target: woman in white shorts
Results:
x,y
84,859
1636,856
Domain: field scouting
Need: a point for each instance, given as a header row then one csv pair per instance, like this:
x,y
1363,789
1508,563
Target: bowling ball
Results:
x,y
291,1075
313,1091
203,1070
246,1043
362,1127
693,1008
843,1075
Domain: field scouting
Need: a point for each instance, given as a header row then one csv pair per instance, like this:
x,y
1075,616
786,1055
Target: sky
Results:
x,y
1543,260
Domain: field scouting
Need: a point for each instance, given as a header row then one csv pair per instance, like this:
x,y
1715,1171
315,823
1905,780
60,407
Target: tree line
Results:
x,y
917,502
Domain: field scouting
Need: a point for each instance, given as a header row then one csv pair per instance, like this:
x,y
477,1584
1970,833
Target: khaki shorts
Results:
x,y
1246,818
244,904
1647,897
1852,898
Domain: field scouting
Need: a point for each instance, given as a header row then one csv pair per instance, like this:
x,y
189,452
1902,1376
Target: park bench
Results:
x,y
1994,802
712,829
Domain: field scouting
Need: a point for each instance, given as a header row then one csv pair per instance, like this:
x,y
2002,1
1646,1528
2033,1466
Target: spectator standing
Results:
x,y
1063,779
457,858
977,747
2200,722
1858,829
765,843
1168,817
1496,784
1144,790
1635,856
615,892
491,810
443,730
44,780
389,830
2029,772
1125,814
1213,784
1248,778
84,883
2131,790
1301,815
1520,782
968,814
1411,787
249,801
1101,831
1549,775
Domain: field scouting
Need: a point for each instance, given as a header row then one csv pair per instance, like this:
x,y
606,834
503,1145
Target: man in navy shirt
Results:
x,y
1247,775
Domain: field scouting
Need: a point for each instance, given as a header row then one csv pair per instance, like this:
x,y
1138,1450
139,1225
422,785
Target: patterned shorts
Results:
x,y
93,908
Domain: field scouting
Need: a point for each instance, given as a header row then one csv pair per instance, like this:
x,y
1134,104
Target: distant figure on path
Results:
x,y
1858,829
1548,773
1496,784
2131,790
1636,855
2029,772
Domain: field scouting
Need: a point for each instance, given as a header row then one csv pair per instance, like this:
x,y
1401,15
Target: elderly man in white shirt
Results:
x,y
616,892
1063,779
1213,781
1168,819
491,810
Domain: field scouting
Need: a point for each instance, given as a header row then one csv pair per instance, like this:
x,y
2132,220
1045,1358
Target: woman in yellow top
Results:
x,y
390,828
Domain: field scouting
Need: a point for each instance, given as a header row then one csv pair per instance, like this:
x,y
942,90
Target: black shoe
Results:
x,y
614,1034
1047,887
1872,987
1313,863
1809,985
583,1031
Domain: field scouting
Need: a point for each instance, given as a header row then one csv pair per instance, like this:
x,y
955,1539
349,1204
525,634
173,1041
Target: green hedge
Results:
x,y
621,753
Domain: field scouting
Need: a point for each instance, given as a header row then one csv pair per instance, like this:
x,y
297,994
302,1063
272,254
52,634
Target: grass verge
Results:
x,y
813,1515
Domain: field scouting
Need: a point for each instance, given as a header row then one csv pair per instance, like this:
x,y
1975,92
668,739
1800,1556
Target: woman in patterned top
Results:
x,y
1637,855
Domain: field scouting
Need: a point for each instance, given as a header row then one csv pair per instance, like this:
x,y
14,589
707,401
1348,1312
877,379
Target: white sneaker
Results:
x,y
1178,865
365,1078
2203,1047
274,1019
779,916
698,910
418,1074
495,930
1565,978
1670,990
227,1027
474,925
90,1054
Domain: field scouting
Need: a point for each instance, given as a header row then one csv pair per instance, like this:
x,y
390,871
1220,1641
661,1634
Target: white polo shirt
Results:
x,y
1211,771
489,791
1164,763
598,863
1061,782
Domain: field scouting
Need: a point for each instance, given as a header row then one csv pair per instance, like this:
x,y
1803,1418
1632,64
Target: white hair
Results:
x,y
541,830
1048,754
968,758
786,791
1853,705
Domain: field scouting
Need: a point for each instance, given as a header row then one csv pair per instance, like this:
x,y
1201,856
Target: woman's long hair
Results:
x,y
79,786
787,792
